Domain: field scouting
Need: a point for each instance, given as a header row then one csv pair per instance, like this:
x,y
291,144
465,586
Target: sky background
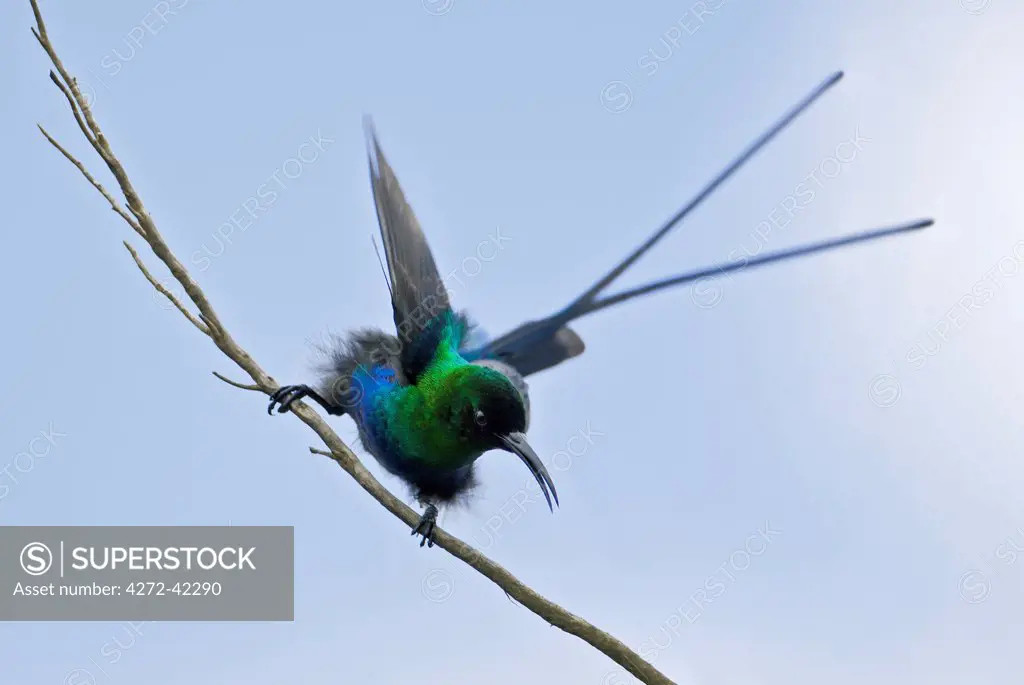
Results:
x,y
793,402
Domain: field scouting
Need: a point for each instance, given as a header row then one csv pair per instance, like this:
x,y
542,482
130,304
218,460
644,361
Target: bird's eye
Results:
x,y
480,418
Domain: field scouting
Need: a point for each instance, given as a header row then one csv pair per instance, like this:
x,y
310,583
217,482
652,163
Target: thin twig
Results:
x,y
243,386
165,292
132,199
339,451
74,107
114,204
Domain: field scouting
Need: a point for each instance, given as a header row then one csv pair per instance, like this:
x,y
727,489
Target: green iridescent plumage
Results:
x,y
426,420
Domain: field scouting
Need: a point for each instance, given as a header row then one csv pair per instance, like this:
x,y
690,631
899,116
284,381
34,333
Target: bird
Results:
x,y
433,397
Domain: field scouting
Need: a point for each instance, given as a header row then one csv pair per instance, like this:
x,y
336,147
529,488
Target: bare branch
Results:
x,y
95,184
165,292
74,107
339,451
243,386
134,202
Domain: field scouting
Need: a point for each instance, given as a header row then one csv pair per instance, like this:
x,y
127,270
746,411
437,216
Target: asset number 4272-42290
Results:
x,y
186,589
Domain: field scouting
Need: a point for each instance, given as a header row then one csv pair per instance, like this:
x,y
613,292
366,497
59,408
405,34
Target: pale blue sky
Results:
x,y
712,421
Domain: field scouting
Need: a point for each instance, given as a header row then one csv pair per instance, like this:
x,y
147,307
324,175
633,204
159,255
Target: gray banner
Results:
x,y
147,573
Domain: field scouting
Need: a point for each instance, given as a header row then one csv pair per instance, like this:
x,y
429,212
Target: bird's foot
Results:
x,y
287,394
426,526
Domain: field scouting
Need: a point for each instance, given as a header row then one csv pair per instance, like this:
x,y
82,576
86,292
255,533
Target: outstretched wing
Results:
x,y
419,298
531,347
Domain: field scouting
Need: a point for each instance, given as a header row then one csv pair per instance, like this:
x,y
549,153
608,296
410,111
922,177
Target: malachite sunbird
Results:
x,y
429,401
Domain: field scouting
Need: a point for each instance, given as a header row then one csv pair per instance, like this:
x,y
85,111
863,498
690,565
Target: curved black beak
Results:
x,y
516,442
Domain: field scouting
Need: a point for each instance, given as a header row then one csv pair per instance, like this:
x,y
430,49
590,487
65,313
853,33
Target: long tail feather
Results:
x,y
541,344
546,327
538,345
718,180
769,258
